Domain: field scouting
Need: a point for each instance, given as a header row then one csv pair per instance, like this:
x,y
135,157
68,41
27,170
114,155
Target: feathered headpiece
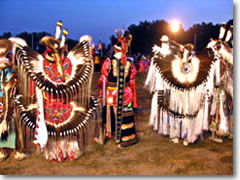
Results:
x,y
55,43
224,44
124,40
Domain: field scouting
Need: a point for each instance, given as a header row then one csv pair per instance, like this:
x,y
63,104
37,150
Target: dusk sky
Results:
x,y
99,18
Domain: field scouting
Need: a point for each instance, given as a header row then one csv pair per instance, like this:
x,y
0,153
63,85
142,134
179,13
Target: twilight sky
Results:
x,y
99,18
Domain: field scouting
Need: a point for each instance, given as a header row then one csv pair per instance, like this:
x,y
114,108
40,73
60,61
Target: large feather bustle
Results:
x,y
82,67
75,89
180,104
181,116
82,123
77,121
201,64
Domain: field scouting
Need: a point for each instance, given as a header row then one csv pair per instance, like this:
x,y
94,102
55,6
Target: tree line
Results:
x,y
145,35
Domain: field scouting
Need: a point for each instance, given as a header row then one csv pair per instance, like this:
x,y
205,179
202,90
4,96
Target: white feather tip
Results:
x,y
85,38
18,41
229,34
222,30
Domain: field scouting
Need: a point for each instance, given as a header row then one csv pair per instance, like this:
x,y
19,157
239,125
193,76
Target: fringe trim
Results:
x,y
29,119
186,115
184,127
181,101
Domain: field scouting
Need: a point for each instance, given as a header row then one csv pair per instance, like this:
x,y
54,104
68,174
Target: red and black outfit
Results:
x,y
110,86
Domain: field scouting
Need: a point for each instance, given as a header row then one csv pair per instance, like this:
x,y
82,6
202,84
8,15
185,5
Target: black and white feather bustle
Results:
x,y
75,123
75,90
32,65
171,66
182,84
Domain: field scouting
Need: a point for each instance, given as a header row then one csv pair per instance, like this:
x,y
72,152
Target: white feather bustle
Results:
x,y
187,127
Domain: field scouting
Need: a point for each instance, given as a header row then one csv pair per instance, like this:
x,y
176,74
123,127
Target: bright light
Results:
x,y
175,26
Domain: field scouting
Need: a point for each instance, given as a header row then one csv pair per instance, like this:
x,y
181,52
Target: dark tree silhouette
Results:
x,y
33,39
6,35
71,43
145,35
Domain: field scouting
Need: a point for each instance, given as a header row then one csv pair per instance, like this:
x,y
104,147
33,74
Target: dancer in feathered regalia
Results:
x,y
118,91
222,106
54,99
11,135
181,82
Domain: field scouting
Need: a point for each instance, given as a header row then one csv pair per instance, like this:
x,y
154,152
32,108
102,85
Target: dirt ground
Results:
x,y
154,154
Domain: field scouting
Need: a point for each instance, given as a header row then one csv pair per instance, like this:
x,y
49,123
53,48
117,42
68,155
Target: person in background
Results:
x,y
11,135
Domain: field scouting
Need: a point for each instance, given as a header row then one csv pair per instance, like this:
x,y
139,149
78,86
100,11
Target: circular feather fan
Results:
x,y
181,72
